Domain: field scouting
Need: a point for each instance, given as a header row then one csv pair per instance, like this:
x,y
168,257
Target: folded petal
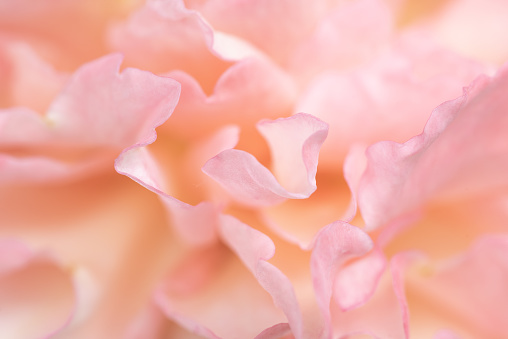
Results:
x,y
295,144
36,294
461,152
385,314
335,244
172,37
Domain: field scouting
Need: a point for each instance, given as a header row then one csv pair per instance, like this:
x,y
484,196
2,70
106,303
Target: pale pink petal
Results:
x,y
461,152
284,23
371,103
356,282
446,334
295,144
472,288
484,39
37,296
163,36
335,244
385,315
335,41
102,107
98,113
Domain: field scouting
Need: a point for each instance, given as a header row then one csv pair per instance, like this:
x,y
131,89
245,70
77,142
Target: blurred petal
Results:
x,y
37,296
452,26
295,144
472,306
334,42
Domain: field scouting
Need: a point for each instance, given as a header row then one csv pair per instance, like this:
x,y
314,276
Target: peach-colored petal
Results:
x,y
37,296
461,152
246,92
335,244
295,162
335,41
482,40
470,288
68,33
195,224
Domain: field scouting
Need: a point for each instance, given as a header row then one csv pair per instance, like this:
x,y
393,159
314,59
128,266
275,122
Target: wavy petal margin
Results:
x,y
461,152
294,143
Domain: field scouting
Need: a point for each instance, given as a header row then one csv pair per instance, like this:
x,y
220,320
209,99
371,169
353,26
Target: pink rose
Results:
x,y
300,169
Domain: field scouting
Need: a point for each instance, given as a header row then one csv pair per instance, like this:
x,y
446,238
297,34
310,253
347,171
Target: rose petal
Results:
x,y
30,81
452,27
173,37
249,90
401,177
473,306
98,108
284,22
371,103
295,143
37,296
356,282
254,249
334,42
392,321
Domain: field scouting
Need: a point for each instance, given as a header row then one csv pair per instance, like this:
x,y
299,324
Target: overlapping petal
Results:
x,y
98,109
